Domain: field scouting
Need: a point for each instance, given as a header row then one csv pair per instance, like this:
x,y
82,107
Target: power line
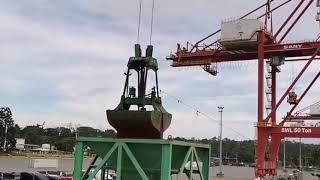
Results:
x,y
151,23
139,21
198,112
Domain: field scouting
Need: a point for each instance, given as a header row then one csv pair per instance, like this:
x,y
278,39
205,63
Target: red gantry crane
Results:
x,y
255,39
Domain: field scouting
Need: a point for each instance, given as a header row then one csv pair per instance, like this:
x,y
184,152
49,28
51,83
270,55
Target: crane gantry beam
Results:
x,y
206,57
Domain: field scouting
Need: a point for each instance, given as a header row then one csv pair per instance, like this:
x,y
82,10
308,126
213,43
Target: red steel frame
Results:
x,y
270,133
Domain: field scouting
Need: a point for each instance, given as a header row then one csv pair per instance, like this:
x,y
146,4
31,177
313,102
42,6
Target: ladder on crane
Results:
x,y
268,87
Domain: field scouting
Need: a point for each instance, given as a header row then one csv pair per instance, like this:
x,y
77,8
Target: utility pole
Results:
x,y
5,139
220,109
76,126
284,154
300,162
76,134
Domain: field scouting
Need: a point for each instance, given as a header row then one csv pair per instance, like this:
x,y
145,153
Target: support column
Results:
x,y
166,162
261,77
206,168
191,165
262,138
261,151
78,161
119,162
275,147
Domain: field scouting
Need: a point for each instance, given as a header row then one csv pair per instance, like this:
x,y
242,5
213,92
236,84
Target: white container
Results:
x,y
240,33
45,147
194,165
20,143
44,163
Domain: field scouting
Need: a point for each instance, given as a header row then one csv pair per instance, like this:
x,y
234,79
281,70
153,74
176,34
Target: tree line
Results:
x,y
63,138
244,151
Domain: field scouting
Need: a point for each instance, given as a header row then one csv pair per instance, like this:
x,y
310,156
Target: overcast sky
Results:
x,y
63,62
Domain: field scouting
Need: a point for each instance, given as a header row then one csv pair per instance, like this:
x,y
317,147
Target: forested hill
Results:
x,y
64,139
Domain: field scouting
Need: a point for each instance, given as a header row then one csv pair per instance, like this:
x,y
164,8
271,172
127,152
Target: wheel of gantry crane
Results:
x,y
140,123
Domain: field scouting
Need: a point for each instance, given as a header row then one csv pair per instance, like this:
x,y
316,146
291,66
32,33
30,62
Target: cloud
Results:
x,y
63,62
